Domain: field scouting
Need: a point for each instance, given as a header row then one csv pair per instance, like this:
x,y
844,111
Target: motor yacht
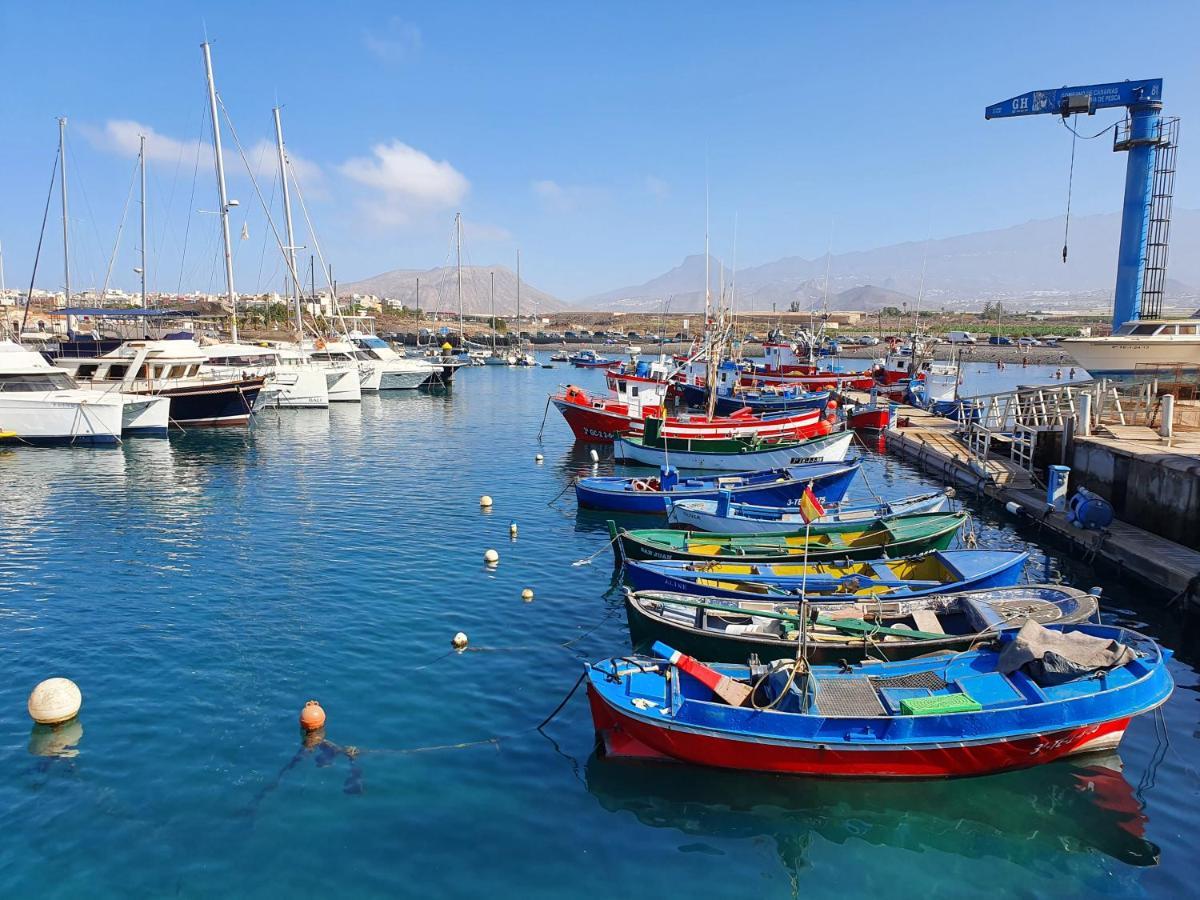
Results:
x,y
1140,346
292,380
393,372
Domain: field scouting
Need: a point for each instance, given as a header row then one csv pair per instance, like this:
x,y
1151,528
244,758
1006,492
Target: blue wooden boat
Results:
x,y
1028,697
940,572
729,517
651,494
762,402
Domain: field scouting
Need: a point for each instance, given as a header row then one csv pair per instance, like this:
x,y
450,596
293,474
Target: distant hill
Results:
x,y
439,290
1022,263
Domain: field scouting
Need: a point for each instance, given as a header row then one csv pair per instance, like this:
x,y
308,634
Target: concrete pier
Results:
x,y
1154,489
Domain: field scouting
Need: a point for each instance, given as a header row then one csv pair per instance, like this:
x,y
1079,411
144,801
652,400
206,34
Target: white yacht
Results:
x,y
42,405
175,369
293,380
395,372
343,371
1149,346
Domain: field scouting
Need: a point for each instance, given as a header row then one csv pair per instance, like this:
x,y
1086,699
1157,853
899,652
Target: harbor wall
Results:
x,y
1152,489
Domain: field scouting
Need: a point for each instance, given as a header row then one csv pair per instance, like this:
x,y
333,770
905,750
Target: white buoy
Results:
x,y
459,641
595,456
527,594
485,501
55,700
512,528
538,458
491,557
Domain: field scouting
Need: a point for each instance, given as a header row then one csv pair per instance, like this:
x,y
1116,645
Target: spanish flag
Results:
x,y
810,507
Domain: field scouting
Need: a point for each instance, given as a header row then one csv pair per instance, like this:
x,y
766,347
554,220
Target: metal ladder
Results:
x,y
1158,231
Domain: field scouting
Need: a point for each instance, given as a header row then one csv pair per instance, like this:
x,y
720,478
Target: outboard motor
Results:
x,y
1089,510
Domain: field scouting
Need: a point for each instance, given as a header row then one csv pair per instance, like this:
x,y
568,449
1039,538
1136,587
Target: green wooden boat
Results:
x,y
892,536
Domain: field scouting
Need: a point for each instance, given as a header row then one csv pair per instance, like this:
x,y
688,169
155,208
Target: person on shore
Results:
x,y
1071,374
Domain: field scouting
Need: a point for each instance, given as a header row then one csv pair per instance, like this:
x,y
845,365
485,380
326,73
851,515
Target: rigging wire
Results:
x,y
38,253
120,230
191,209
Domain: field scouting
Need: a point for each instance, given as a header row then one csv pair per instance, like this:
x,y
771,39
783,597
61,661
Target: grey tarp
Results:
x,y
1054,657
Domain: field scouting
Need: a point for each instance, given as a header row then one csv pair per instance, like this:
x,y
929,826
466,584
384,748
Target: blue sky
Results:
x,y
582,134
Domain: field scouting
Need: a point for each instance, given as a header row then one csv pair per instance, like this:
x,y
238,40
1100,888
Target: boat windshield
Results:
x,y
1141,329
372,341
42,381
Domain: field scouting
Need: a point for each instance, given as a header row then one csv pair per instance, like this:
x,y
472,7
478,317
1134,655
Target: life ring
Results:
x,y
640,485
320,343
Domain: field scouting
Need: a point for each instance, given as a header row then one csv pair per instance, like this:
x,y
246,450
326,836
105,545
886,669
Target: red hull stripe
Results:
x,y
627,736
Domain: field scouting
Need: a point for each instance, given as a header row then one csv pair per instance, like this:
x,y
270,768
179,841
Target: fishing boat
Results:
x,y
939,572
588,359
560,356
727,516
731,630
597,420
984,710
895,536
652,494
728,454
600,419
872,416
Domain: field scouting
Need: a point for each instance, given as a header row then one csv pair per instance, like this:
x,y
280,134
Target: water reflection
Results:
x,y
56,741
1017,816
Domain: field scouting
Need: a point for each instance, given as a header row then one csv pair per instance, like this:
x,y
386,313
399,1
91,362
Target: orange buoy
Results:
x,y
312,716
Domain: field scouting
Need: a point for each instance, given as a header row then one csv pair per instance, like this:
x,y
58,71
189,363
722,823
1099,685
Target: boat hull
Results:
x,y
43,418
212,405
831,448
627,735
704,516
144,416
1126,357
628,546
829,482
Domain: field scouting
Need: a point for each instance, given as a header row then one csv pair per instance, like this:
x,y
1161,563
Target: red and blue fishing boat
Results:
x,y
652,494
1024,699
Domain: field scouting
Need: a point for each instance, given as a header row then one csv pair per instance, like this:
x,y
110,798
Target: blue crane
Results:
x,y
1140,136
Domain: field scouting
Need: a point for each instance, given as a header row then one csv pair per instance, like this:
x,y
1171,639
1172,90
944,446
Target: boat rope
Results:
x,y
545,412
612,612
570,484
587,560
1070,184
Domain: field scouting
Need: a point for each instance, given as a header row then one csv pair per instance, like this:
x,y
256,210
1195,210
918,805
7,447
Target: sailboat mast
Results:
x,y
142,158
230,296
492,279
62,174
519,344
458,272
287,221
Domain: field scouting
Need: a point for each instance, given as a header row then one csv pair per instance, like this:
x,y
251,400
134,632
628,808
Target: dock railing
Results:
x,y
1017,418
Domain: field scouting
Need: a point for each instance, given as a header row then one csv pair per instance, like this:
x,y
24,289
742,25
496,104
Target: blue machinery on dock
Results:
x,y
1149,178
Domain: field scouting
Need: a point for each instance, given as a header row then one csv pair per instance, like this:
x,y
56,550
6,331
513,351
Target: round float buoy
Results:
x,y
527,594
491,557
54,701
485,501
538,458
459,641
595,456
312,716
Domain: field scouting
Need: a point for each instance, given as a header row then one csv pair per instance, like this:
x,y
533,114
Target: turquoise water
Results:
x,y
200,589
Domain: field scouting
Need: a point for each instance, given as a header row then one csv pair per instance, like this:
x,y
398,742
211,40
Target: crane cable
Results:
x,y
1070,185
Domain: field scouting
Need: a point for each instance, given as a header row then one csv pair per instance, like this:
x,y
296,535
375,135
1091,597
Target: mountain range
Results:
x,y
1021,263
439,290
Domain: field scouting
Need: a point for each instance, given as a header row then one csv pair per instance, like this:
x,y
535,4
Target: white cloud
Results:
x,y
563,198
122,136
657,186
397,41
407,180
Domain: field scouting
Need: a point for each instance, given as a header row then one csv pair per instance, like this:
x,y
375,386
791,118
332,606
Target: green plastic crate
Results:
x,y
938,704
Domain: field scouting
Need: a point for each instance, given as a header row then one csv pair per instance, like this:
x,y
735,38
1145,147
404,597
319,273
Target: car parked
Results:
x,y
868,340
1028,342
999,340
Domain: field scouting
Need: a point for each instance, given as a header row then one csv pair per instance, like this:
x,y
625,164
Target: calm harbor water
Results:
x,y
200,589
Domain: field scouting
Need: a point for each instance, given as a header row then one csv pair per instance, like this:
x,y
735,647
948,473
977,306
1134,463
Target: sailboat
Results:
x,y
493,358
520,356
